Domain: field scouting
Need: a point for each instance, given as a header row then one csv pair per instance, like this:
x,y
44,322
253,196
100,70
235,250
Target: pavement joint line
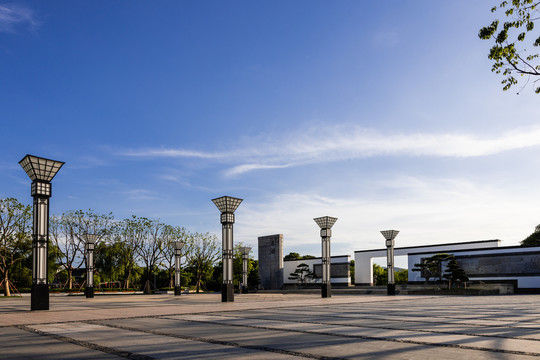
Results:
x,y
426,316
381,327
125,354
400,320
213,341
280,305
416,342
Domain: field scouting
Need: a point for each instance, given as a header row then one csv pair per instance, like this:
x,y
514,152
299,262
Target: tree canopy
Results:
x,y
512,52
533,239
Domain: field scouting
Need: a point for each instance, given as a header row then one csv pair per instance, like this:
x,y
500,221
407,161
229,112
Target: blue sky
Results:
x,y
382,114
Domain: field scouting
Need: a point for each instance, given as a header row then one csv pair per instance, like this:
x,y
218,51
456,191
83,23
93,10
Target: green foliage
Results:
x,y
205,254
297,256
351,269
533,239
292,256
15,240
431,267
380,275
509,54
253,275
454,273
401,277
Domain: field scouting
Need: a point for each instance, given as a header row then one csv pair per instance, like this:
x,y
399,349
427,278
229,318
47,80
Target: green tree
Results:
x,y
108,263
129,239
533,239
401,277
511,53
302,274
454,273
15,238
172,234
431,267
292,256
297,256
380,275
66,232
253,275
237,264
206,251
150,249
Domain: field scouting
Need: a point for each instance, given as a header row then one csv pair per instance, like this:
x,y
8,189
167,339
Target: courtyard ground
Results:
x,y
272,326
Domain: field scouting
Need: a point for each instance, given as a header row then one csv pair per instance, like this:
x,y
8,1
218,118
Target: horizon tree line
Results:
x,y
131,252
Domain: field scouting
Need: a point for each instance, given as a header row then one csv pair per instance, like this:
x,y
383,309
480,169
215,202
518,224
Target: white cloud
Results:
x,y
12,16
344,142
429,211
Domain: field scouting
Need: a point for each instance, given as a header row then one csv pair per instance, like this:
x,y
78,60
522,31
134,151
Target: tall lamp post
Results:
x,y
41,171
245,258
227,205
390,235
178,245
90,240
326,223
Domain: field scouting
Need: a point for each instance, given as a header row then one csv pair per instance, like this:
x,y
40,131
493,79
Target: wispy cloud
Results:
x,y
345,142
13,16
430,211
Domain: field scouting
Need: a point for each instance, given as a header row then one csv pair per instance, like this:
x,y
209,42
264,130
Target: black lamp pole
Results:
x,y
90,240
41,171
245,258
177,267
227,205
326,223
390,235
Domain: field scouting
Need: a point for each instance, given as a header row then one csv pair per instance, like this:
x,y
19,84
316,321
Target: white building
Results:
x,y
340,274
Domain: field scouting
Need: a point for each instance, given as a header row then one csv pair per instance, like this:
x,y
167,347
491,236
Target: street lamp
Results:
x,y
245,258
227,205
178,245
326,223
41,171
390,235
90,240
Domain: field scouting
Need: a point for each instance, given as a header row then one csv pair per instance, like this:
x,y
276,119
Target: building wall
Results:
x,y
340,272
502,263
363,260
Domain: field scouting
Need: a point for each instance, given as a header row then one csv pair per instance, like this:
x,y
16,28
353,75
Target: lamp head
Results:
x,y
227,204
40,169
325,222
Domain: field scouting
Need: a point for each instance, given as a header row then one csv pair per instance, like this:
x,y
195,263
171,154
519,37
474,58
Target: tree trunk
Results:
x,y
70,278
6,284
127,278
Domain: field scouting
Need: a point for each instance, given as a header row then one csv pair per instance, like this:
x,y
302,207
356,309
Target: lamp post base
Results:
x,y
391,289
227,293
89,291
177,290
326,290
40,297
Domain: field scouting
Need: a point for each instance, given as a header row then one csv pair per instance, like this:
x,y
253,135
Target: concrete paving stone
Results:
x,y
480,342
20,344
523,330
312,344
277,326
154,346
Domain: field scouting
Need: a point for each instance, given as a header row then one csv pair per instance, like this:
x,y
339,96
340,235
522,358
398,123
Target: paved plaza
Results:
x,y
272,326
